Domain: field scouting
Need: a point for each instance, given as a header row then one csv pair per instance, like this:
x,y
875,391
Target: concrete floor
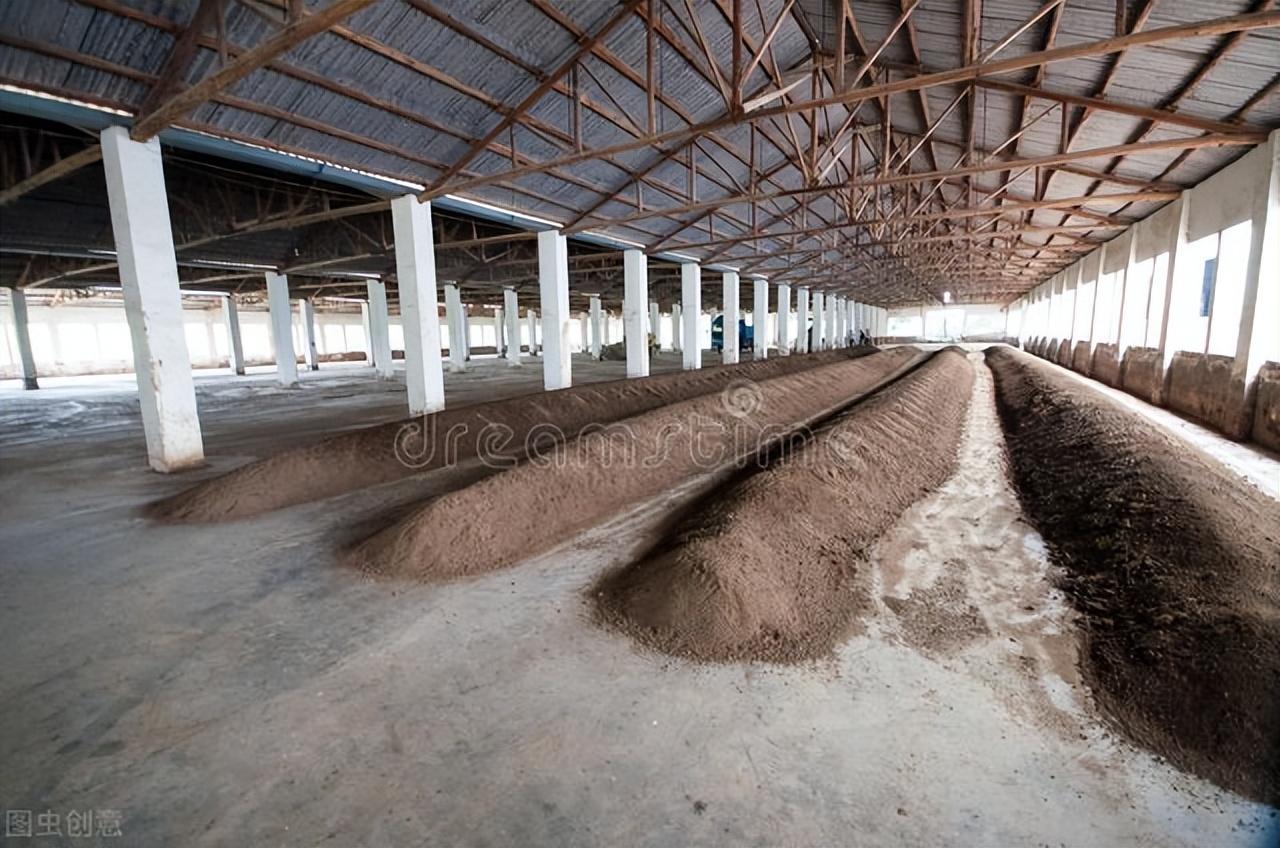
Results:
x,y
232,685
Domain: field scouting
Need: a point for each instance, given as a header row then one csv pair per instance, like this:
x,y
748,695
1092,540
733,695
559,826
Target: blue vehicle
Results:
x,y
746,338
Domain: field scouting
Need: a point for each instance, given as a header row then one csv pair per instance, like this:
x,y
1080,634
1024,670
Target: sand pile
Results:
x,y
1174,564
501,431
508,517
766,569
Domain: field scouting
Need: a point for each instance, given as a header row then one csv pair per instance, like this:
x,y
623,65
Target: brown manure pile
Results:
x,y
541,503
501,430
767,569
1173,563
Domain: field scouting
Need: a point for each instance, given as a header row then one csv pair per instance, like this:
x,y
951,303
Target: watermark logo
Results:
x,y
742,398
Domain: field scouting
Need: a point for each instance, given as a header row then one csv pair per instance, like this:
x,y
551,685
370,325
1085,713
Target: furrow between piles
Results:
x,y
1173,563
508,429
529,509
767,569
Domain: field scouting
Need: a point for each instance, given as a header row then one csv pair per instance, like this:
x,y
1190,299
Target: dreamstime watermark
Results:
x,y
737,430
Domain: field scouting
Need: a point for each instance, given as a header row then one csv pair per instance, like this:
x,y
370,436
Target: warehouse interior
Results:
x,y
672,422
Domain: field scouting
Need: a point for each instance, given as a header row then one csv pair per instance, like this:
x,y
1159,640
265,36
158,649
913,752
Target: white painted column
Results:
x,y
691,309
499,331
829,333
635,300
584,328
379,329
597,326
368,332
802,319
654,316
531,318
1260,310
729,337
677,343
235,347
282,329
816,342
152,300
553,295
784,319
511,310
457,328
760,318
466,331
419,304
307,312
22,330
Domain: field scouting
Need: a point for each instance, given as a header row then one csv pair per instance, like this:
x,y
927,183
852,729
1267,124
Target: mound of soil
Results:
x,y
511,516
1174,564
501,430
766,569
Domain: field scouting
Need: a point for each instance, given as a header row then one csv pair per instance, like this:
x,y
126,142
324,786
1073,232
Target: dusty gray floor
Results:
x,y
232,685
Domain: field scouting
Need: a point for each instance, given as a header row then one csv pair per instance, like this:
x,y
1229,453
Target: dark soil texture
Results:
x,y
767,568
508,517
1174,565
510,429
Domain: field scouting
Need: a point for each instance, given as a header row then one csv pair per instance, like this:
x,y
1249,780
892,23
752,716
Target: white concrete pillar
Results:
x,y
691,309
499,331
784,319
457,327
584,331
760,319
235,347
816,340
511,309
830,311
654,317
677,343
466,332
531,318
597,326
379,329
553,296
731,342
152,300
635,300
802,319
419,304
1260,310
281,315
368,332
307,312
21,329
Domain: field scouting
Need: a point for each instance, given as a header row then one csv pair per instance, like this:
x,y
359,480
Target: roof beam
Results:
x,y
148,124
56,171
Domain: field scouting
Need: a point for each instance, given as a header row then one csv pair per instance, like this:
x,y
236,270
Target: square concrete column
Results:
x,y
691,309
235,347
419,303
802,320
466,333
831,334
760,319
307,312
511,310
816,339
584,332
498,330
152,300
368,332
379,329
457,327
281,315
635,300
654,317
21,329
731,342
676,326
784,319
531,318
597,326
1260,310
557,326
